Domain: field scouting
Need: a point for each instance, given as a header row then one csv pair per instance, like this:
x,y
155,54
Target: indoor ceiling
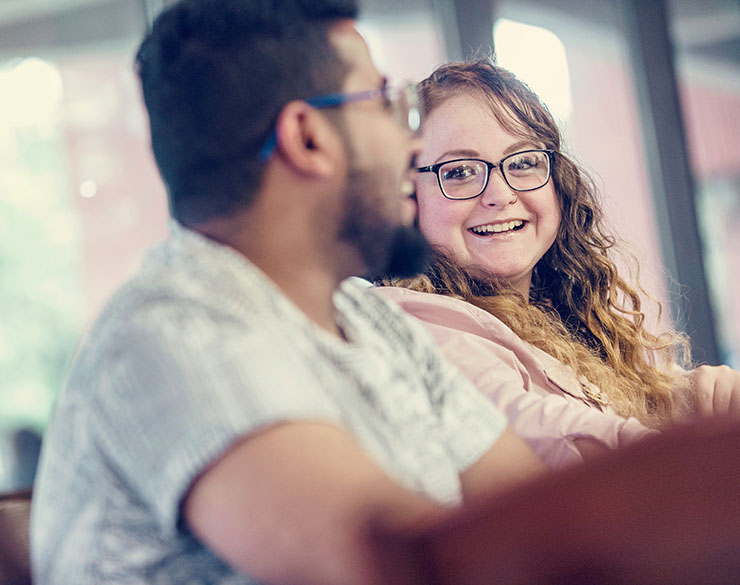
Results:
x,y
21,10
703,27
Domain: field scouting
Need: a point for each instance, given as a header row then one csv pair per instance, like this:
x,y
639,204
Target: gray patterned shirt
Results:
x,y
199,349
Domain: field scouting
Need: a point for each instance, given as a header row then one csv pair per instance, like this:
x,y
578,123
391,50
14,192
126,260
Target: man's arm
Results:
x,y
291,504
509,462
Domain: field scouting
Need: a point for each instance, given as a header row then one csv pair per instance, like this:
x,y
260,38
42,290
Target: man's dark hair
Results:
x,y
215,74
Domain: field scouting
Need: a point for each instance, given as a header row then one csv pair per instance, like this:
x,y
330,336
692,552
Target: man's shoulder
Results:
x,y
190,270
357,297
359,303
183,291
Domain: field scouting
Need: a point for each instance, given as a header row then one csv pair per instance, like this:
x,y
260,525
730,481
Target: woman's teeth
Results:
x,y
497,228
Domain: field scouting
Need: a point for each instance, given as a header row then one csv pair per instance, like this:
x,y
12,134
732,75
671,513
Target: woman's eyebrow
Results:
x,y
517,146
457,153
522,145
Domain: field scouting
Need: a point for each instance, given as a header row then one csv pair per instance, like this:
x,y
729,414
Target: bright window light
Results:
x,y
30,91
537,57
404,47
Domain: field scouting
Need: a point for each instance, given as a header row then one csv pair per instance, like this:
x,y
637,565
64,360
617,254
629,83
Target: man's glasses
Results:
x,y
402,103
466,178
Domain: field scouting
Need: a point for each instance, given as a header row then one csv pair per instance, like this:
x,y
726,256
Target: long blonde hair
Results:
x,y
580,310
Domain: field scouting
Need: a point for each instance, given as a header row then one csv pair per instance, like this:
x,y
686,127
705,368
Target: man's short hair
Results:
x,y
215,75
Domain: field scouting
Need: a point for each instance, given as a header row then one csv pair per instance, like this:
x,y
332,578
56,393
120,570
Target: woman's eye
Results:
x,y
522,164
458,173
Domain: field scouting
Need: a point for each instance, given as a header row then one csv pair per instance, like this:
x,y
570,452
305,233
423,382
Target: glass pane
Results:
x,y
706,36
405,41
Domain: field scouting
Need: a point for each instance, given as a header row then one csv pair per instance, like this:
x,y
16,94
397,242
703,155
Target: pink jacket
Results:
x,y
542,398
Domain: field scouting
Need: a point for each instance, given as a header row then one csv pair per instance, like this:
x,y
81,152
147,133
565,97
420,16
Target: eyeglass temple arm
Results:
x,y
323,101
337,99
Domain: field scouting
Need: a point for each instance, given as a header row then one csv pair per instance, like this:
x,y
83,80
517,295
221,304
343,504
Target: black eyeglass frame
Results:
x,y
499,165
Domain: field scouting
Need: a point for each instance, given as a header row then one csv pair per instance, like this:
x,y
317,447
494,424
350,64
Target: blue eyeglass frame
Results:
x,y
329,100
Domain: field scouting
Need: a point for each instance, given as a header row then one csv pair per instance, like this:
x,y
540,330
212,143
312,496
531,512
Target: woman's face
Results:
x,y
503,231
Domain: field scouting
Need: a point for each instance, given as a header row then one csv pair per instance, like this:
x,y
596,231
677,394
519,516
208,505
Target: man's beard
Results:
x,y
387,250
408,255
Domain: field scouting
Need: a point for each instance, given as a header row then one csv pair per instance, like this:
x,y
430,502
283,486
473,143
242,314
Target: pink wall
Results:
x,y
107,141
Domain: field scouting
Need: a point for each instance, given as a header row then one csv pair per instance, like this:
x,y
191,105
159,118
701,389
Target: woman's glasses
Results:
x,y
466,178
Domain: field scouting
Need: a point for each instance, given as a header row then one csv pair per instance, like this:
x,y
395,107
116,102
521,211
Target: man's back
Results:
x,y
199,350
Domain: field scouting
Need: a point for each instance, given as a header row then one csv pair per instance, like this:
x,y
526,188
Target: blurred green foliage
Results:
x,y
40,283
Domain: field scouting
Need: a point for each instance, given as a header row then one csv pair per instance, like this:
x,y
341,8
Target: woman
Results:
x,y
533,296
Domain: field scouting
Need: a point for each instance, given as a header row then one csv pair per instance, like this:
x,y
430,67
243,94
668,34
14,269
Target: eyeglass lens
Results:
x,y
522,171
404,106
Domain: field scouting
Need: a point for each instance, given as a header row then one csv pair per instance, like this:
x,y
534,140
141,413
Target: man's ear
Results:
x,y
306,140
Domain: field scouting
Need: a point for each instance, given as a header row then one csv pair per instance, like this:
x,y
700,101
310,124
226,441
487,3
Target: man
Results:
x,y
234,415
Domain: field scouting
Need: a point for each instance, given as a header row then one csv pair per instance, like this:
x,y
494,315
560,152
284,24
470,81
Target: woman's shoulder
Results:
x,y
443,310
414,301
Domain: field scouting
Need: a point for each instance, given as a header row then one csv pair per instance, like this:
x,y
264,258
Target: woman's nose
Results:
x,y
497,192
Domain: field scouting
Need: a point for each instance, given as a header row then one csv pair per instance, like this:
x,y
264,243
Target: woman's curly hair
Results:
x,y
580,310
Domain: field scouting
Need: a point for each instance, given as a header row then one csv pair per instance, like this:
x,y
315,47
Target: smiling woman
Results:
x,y
534,308
504,223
